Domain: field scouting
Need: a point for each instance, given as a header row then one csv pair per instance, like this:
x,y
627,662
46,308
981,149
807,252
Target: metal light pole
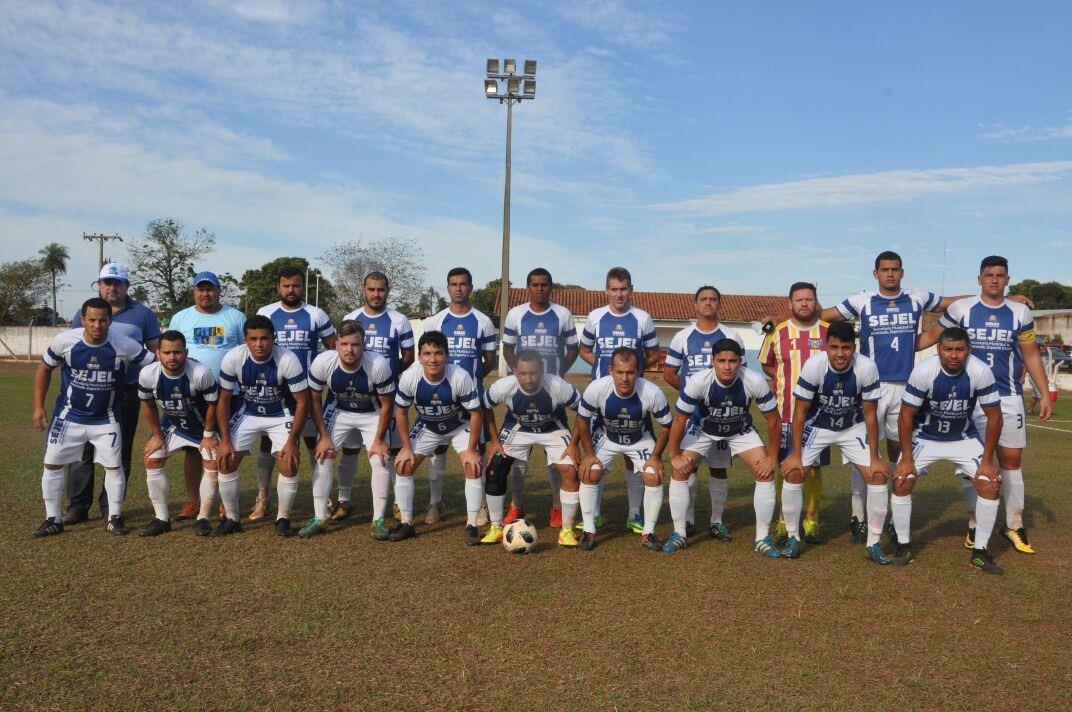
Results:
x,y
519,87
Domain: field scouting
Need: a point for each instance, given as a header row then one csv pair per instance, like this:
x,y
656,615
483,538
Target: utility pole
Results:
x,y
100,239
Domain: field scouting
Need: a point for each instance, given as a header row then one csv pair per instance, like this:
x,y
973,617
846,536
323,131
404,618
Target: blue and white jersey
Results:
x,y
469,336
299,330
539,412
946,400
182,399
264,386
547,333
837,397
889,327
91,376
625,420
691,349
724,408
134,321
442,406
386,334
604,331
356,391
996,334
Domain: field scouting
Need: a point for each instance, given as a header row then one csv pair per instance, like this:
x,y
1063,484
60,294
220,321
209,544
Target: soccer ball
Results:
x,y
519,537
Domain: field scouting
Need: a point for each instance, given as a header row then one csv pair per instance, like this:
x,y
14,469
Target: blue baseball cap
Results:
x,y
206,277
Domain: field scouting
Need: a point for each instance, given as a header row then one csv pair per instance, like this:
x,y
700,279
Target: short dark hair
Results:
x,y
434,338
704,289
888,256
621,274
994,261
530,356
797,286
288,271
258,322
954,333
173,335
378,276
97,303
625,353
727,345
350,326
538,272
460,271
843,331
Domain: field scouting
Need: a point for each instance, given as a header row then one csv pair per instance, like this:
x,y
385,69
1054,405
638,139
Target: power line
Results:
x,y
100,239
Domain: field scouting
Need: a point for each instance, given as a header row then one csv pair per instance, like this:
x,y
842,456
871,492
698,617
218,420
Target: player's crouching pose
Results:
x,y
186,392
360,408
448,413
723,394
536,404
614,418
936,417
92,362
837,404
265,375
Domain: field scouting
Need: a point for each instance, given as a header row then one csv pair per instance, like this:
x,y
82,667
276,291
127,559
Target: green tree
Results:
x,y
259,286
484,298
1045,295
24,289
429,302
163,262
54,258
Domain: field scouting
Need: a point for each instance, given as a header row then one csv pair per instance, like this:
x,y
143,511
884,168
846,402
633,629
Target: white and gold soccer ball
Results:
x,y
519,537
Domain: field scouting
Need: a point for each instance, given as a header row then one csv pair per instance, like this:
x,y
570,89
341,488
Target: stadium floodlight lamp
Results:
x,y
513,86
509,66
493,66
530,67
530,88
491,88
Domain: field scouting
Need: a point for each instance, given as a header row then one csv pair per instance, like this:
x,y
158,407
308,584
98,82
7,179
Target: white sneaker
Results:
x,y
435,513
483,518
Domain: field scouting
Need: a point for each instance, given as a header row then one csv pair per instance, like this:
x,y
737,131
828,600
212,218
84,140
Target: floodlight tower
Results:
x,y
509,87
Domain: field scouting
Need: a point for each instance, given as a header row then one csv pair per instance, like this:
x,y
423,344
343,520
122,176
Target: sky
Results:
x,y
748,145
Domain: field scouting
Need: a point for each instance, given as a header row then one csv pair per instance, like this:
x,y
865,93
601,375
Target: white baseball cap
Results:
x,y
114,270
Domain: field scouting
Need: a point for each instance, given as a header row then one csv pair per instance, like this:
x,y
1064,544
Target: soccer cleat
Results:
x,y
226,526
483,517
766,547
674,543
434,514
260,508
75,516
891,531
117,526
515,513
791,550
690,529
566,537
47,528
781,534
719,531
875,554
494,535
903,556
156,527
311,528
202,527
283,528
635,524
1018,539
402,532
588,541
811,532
472,535
969,538
189,511
650,541
982,560
380,530
579,526
857,532
343,510
556,518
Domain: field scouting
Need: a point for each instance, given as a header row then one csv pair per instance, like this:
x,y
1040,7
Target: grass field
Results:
x,y
95,621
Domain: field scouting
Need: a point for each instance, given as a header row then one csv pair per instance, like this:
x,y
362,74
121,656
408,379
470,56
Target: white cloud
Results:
x,y
1004,132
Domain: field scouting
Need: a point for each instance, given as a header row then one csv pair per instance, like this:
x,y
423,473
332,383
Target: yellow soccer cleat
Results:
x,y
1018,539
260,508
566,537
494,535
811,532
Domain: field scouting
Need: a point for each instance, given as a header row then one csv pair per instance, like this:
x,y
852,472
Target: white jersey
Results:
x,y
997,334
468,335
605,331
837,396
625,420
386,333
538,412
442,406
183,399
691,349
724,407
946,401
549,333
299,330
264,386
889,326
356,391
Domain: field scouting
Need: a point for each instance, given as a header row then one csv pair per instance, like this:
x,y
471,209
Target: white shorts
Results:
x,y
889,409
248,429
717,455
721,449
356,430
964,454
637,453
1014,422
66,441
852,441
175,440
426,441
518,444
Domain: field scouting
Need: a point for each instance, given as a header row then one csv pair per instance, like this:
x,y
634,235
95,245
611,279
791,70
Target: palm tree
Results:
x,y
54,258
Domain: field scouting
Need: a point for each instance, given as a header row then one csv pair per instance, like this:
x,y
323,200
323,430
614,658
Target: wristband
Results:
x,y
209,434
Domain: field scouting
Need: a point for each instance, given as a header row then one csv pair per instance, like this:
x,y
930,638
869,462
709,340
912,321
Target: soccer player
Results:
x,y
784,352
536,404
448,413
718,399
471,341
548,329
690,354
299,328
621,325
1002,334
211,330
93,363
389,334
360,407
614,418
186,391
837,404
936,419
269,378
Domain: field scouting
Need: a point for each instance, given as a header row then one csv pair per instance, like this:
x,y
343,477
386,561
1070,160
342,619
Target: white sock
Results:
x,y
265,463
599,500
381,488
496,507
719,491
437,471
286,488
588,497
901,511
877,508
322,487
207,493
53,482
116,487
156,482
694,488
404,488
569,501
347,475
792,503
474,497
653,502
554,481
679,504
518,471
635,486
858,486
970,498
229,495
1012,491
986,513
763,500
